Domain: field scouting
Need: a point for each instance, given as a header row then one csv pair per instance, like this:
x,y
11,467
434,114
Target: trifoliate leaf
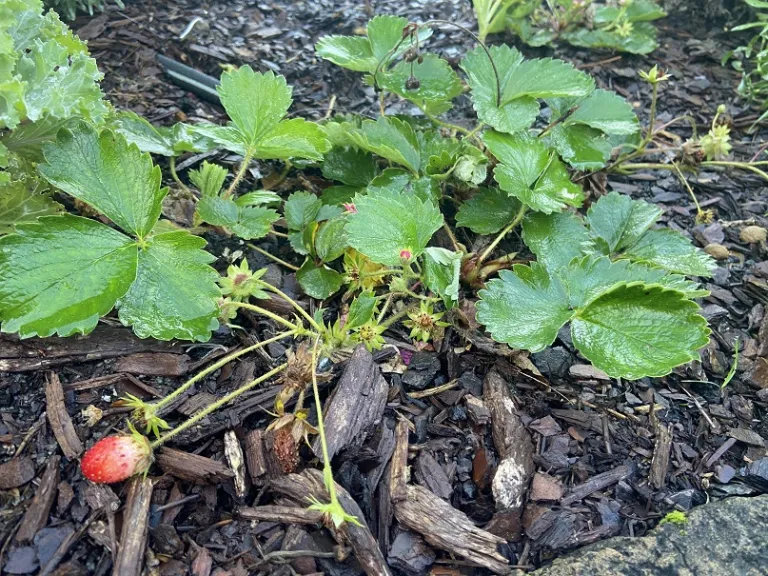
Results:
x,y
605,111
209,178
301,208
637,330
61,274
19,204
364,54
331,239
619,221
350,166
320,281
524,308
107,173
582,147
442,271
175,292
672,251
438,84
247,222
521,83
532,173
390,226
488,211
556,239
360,310
390,138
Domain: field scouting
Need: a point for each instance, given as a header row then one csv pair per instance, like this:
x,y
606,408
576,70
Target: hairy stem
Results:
x,y
271,315
293,303
684,180
215,366
216,405
175,176
240,173
327,471
272,257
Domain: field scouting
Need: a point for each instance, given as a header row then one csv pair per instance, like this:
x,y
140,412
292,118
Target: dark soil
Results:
x,y
610,457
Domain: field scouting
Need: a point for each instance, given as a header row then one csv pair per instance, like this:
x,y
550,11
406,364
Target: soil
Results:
x,y
607,457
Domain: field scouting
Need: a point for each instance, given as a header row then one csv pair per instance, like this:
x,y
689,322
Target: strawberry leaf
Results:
x,y
165,141
107,173
350,166
301,208
442,270
209,178
556,239
390,138
61,274
19,204
360,310
247,222
438,83
318,281
616,221
637,330
582,147
672,251
524,308
389,224
532,173
607,112
331,239
488,211
175,292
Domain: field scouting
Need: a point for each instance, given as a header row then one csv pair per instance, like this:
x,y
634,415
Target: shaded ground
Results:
x,y
583,426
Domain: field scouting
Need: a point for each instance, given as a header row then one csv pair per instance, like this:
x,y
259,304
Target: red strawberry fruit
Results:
x,y
116,458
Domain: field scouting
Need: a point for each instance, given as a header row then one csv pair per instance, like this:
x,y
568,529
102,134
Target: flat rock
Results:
x,y
699,547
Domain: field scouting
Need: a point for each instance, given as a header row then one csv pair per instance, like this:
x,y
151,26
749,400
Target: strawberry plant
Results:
x,y
623,25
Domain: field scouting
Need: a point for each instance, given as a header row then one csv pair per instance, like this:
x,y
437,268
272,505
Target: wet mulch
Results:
x,y
466,458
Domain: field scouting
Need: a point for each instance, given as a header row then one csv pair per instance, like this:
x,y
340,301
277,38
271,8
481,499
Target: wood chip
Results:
x,y
283,514
234,454
154,364
661,452
16,472
431,475
192,467
747,436
133,539
546,487
36,516
61,423
202,564
599,482
513,443
254,455
356,406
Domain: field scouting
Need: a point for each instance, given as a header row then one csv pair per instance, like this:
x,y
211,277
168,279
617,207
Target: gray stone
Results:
x,y
726,537
553,362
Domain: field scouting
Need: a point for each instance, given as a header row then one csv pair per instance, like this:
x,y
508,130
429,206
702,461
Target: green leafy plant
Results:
x,y
623,25
491,15
70,8
751,59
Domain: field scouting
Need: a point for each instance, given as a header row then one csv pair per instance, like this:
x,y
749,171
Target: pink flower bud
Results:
x,y
350,207
406,254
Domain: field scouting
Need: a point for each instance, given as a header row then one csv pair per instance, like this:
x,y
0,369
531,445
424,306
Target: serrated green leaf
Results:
x,y
642,40
208,179
61,274
442,271
257,198
331,239
247,222
637,330
162,140
524,308
671,251
582,147
175,292
107,173
439,154
301,208
353,167
255,102
360,310
555,239
293,138
338,195
389,222
320,281
606,111
19,204
438,83
488,211
620,221
532,173
390,138
27,140
546,78
351,52
507,117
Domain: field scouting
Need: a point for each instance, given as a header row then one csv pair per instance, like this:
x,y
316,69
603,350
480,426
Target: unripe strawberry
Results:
x,y
116,458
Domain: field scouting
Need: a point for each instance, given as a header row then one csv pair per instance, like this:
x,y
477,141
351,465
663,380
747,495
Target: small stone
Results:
x,y
713,312
631,399
21,561
588,372
753,234
545,487
758,375
717,251
545,426
725,473
410,554
553,362
720,276
48,540
711,234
